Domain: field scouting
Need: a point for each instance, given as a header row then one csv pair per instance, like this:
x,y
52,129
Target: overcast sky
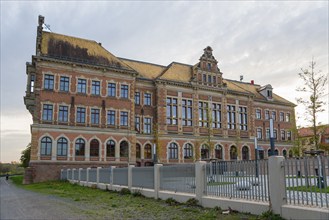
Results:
x,y
267,42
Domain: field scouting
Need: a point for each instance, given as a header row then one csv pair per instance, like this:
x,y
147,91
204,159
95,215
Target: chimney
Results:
x,y
252,82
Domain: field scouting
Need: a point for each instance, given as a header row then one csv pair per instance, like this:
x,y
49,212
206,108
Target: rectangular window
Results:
x,y
231,124
209,79
203,114
64,84
49,82
110,117
259,134
267,134
258,114
94,113
137,98
137,124
289,135
204,78
283,135
281,116
124,91
147,125
111,88
32,83
274,115
63,113
124,118
82,85
216,116
171,111
287,117
47,112
81,115
243,118
147,99
214,80
95,87
267,114
275,134
187,112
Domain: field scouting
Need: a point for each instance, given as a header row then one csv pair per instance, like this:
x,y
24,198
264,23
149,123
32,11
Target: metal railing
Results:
x,y
143,177
307,181
179,178
238,179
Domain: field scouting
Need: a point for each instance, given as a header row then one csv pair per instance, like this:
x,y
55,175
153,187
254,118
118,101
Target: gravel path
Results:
x,y
16,203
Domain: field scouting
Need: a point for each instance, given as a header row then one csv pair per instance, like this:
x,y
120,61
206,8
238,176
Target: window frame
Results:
x,y
64,84
81,115
124,115
46,146
63,114
82,86
47,112
49,82
95,115
172,110
111,89
95,87
124,91
147,99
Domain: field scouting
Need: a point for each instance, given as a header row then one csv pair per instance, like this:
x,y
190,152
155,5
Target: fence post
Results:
x,y
80,170
277,186
97,174
157,180
73,171
67,174
111,177
130,176
200,180
87,178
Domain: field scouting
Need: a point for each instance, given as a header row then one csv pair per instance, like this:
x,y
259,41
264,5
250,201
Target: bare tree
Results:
x,y
313,84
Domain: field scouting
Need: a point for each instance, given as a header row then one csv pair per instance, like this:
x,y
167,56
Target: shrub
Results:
x,y
137,193
269,215
192,202
171,201
124,191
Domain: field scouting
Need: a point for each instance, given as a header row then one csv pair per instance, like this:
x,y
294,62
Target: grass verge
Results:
x,y
100,204
309,189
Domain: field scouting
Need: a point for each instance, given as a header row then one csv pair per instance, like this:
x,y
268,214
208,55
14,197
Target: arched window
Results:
x,y
110,148
80,147
62,147
46,145
94,148
269,152
233,153
173,151
218,152
188,151
138,151
276,152
284,153
204,152
124,149
148,152
245,153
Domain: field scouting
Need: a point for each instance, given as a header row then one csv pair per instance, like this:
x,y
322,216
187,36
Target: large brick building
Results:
x,y
91,108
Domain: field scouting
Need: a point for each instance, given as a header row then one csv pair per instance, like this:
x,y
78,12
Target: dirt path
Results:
x,y
16,203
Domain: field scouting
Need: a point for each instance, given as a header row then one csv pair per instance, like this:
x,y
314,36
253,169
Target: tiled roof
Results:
x,y
147,70
78,50
304,132
177,72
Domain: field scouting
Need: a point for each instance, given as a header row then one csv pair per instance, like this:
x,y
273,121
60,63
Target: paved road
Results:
x,y
16,203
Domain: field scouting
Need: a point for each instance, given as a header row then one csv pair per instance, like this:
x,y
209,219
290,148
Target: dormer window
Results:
x,y
266,91
269,94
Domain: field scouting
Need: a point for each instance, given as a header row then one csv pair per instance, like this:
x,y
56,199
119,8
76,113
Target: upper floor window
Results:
x,y
287,117
171,111
95,87
111,117
137,98
124,118
147,125
81,115
111,88
187,112
64,84
137,123
214,79
243,118
63,113
275,134
47,112
80,147
147,99
124,91
258,114
209,79
274,115
267,135
32,81
62,145
203,114
289,135
283,135
173,151
281,116
204,78
267,114
82,85
209,66
259,133
216,115
269,93
94,116
231,123
46,145
49,82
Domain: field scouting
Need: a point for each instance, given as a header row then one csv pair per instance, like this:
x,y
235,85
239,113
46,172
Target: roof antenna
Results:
x,y
241,78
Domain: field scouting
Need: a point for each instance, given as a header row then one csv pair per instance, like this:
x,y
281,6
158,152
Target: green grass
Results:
x,y
98,204
309,189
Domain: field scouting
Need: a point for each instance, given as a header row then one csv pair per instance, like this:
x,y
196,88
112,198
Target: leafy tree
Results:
x,y
25,157
314,85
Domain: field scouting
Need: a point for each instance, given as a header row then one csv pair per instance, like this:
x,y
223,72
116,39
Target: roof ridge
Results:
x,y
144,62
71,37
